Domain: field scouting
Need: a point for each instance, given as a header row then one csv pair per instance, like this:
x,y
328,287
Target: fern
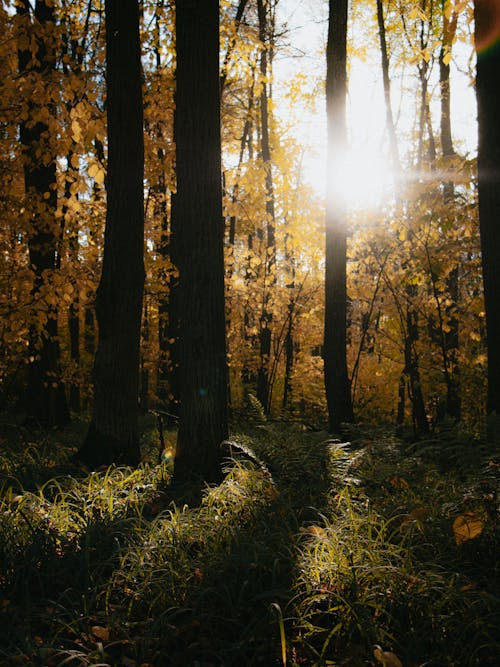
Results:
x,y
255,411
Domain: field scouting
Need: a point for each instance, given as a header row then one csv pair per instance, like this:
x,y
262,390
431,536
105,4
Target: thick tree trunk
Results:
x,y
338,395
46,403
487,18
197,243
113,436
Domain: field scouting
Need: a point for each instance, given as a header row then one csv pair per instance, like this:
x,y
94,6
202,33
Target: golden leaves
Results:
x,y
96,172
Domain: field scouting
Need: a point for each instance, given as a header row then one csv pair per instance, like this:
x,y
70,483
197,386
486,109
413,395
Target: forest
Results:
x,y
249,333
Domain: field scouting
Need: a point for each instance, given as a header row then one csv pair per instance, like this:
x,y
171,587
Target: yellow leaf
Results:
x,y
93,169
96,173
76,133
447,58
467,526
99,177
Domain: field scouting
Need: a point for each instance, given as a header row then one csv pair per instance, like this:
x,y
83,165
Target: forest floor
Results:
x,y
309,553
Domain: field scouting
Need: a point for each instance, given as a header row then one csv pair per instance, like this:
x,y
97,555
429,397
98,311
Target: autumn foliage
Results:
x,y
415,310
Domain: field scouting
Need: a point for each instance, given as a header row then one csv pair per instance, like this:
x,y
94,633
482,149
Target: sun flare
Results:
x,y
360,179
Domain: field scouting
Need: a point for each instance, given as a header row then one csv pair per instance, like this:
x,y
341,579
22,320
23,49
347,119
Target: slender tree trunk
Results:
x,y
74,307
487,18
289,344
389,117
197,241
451,337
266,317
167,381
113,433
419,414
45,397
89,330
338,395
240,11
144,370
74,351
248,374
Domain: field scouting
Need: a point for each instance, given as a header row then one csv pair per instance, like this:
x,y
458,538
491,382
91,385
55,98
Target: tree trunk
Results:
x,y
338,395
451,337
46,403
144,370
113,436
389,117
197,244
266,317
487,17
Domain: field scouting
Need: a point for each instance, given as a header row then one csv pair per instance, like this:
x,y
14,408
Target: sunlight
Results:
x,y
360,178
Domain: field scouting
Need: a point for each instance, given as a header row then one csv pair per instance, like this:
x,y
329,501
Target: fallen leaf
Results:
x,y
100,632
467,526
313,531
415,516
468,587
386,658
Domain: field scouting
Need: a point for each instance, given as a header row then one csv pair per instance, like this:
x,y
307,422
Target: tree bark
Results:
x,y
389,117
338,395
113,432
451,337
266,316
46,403
197,244
487,18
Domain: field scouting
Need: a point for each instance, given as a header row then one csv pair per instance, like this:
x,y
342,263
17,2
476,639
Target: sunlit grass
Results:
x,y
308,553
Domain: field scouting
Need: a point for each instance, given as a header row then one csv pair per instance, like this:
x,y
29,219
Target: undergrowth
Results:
x,y
309,553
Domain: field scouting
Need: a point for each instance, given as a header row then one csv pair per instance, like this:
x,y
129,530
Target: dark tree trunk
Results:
x,y
167,389
144,372
113,436
89,330
74,308
266,317
389,117
46,403
412,370
74,350
197,244
289,342
487,17
451,337
338,395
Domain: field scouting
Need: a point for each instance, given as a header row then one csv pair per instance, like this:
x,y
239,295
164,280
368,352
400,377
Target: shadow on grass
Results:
x,y
212,597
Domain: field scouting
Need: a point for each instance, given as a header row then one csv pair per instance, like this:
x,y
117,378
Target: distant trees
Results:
x,y
338,393
487,20
197,244
113,436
